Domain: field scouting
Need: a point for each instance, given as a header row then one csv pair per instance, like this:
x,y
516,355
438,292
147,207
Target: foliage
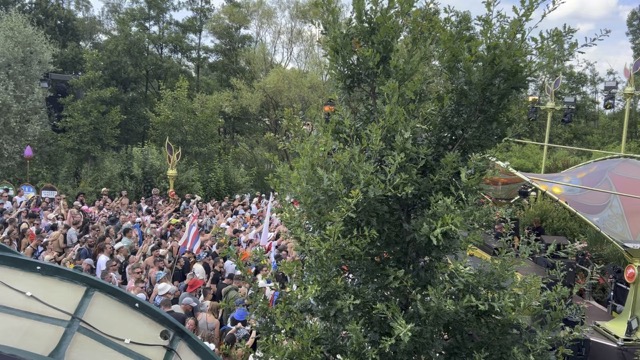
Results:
x,y
633,31
92,124
25,54
557,220
386,193
229,26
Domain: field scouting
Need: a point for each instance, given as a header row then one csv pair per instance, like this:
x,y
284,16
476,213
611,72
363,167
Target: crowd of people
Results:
x,y
199,261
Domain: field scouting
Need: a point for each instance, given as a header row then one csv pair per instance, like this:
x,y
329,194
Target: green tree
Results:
x,y
284,33
386,195
140,56
25,54
70,25
91,125
193,123
228,27
195,25
633,31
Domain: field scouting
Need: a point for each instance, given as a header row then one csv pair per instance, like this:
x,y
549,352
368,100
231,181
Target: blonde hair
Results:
x,y
214,308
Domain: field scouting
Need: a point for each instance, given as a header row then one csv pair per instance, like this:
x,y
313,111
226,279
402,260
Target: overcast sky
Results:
x,y
589,16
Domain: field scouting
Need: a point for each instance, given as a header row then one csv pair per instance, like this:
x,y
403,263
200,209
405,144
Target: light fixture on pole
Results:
x,y
569,109
328,109
532,115
28,155
610,88
629,92
609,102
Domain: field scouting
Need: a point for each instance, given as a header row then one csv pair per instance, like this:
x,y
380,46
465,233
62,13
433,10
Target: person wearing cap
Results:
x,y
159,278
118,250
187,307
240,331
193,285
266,287
87,267
104,196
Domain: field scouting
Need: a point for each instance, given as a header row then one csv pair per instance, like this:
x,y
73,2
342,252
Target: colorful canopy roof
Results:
x,y
605,192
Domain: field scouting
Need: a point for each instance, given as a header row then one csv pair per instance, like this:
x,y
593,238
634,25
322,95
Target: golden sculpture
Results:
x,y
173,157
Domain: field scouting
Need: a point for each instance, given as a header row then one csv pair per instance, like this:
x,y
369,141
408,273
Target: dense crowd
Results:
x,y
197,261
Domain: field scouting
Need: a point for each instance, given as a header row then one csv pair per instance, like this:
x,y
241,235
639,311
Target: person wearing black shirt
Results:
x,y
218,271
165,305
178,275
228,280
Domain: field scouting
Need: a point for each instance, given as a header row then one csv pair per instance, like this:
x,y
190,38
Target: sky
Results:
x,y
589,16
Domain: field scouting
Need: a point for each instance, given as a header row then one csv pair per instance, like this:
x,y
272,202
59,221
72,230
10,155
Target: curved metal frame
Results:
x,y
10,258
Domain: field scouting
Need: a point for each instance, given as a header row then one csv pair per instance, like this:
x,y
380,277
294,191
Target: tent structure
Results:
x,y
604,192
50,312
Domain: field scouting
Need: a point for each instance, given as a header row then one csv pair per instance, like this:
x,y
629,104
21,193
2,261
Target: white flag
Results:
x,y
264,239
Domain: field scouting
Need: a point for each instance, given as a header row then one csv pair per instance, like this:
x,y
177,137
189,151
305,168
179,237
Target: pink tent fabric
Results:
x,y
616,215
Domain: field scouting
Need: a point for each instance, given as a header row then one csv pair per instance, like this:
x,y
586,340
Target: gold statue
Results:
x,y
172,159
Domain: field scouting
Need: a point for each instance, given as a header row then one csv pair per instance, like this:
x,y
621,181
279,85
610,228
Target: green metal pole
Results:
x,y
629,91
550,106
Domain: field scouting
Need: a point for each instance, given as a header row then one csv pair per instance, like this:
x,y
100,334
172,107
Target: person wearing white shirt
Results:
x,y
7,204
105,251
19,198
229,267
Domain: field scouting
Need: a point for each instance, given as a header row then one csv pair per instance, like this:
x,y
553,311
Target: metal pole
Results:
x,y
566,147
629,91
585,187
549,107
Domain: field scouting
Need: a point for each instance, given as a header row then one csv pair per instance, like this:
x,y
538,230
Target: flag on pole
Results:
x,y
190,240
264,239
